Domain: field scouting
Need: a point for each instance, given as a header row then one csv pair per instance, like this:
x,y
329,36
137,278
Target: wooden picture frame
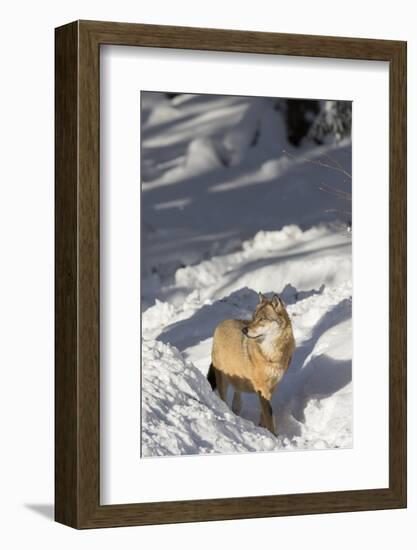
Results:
x,y
77,373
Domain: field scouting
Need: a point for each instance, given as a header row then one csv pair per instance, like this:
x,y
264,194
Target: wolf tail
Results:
x,y
211,377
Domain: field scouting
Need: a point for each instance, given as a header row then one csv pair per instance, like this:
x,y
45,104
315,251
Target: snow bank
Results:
x,y
181,414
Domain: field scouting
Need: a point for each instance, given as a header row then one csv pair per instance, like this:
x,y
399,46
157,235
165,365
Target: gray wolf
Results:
x,y
253,356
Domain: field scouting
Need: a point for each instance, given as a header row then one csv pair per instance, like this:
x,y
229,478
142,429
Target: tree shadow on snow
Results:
x,y
318,377
280,258
238,305
200,326
181,214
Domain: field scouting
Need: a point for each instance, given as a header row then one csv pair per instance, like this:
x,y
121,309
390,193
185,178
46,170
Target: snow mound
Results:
x,y
201,156
181,414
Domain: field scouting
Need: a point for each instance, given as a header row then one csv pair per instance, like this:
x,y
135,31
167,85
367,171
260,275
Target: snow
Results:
x,y
230,209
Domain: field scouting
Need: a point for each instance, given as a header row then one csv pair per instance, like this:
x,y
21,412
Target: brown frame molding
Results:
x,y
77,376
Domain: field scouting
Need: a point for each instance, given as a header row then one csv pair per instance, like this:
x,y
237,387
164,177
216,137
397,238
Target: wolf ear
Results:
x,y
262,298
277,303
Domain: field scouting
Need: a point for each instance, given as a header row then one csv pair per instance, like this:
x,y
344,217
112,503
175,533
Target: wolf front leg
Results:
x,y
267,417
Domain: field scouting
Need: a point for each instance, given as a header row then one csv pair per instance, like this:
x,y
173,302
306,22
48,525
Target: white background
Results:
x,y
125,478
26,299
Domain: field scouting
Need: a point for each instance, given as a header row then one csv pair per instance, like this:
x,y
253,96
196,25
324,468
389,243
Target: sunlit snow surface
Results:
x,y
230,209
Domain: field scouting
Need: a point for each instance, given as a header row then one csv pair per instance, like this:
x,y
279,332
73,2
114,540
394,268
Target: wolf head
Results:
x,y
270,317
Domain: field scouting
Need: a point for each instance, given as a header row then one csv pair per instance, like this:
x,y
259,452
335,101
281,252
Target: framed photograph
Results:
x,y
230,274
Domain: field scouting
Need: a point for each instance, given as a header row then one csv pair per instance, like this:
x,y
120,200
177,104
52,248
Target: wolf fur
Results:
x,y
253,356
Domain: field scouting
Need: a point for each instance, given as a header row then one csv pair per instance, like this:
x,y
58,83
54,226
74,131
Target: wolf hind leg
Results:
x,y
211,377
222,384
267,417
236,403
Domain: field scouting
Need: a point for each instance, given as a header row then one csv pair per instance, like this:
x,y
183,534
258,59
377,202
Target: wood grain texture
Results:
x,y
78,286
66,238
398,273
